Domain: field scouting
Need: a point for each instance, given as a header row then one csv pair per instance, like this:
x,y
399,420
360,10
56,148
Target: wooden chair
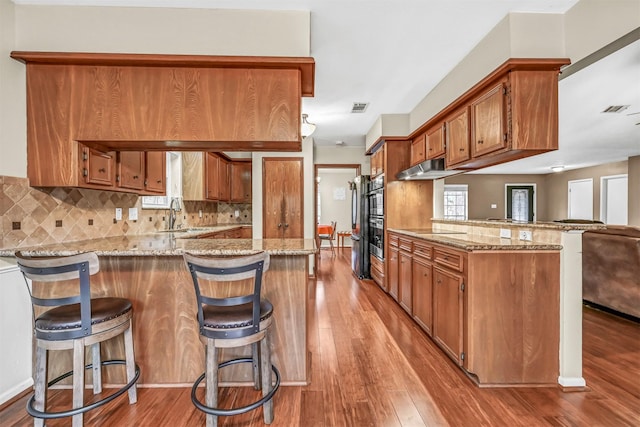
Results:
x,y
330,237
233,322
76,321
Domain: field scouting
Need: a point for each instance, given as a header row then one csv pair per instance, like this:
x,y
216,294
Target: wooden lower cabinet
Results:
x,y
377,272
392,275
448,312
496,313
422,291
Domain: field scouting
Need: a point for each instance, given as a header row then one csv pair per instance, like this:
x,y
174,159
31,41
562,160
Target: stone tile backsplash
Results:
x,y
35,216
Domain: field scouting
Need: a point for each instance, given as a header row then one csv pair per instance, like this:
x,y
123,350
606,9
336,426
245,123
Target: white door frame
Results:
x,y
604,188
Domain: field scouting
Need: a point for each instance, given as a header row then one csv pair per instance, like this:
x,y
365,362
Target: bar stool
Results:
x,y
233,322
75,322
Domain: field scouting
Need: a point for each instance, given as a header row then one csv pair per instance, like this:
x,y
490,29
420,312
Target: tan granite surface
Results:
x,y
172,243
475,243
562,226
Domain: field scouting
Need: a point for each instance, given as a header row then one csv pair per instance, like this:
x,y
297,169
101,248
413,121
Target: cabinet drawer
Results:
x,y
405,244
422,250
394,240
450,259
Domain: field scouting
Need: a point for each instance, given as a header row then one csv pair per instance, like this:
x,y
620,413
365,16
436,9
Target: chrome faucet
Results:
x,y
173,207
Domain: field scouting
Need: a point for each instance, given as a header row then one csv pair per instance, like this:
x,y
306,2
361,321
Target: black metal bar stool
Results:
x,y
233,322
76,321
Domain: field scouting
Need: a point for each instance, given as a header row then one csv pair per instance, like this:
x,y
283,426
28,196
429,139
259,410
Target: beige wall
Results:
x,y
342,156
485,190
130,30
558,184
634,191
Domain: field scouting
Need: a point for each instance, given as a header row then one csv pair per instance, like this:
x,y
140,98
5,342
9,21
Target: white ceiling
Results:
x,y
391,53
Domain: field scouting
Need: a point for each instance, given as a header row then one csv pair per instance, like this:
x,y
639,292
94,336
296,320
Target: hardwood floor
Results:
x,y
373,366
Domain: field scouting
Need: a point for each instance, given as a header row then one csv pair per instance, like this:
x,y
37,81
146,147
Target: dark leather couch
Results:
x,y
611,268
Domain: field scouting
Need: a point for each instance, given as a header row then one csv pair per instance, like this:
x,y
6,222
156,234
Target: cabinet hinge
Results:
x,y
462,356
85,172
146,182
117,178
462,286
504,137
504,90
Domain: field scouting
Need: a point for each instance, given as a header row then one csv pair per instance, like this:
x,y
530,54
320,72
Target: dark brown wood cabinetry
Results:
x,y
98,168
393,265
448,310
422,286
131,170
435,142
457,137
377,272
489,121
224,180
418,150
282,181
209,176
155,171
241,182
405,282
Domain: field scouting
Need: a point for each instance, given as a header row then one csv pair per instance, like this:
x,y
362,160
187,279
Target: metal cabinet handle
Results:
x,y
462,149
286,225
279,225
102,170
481,142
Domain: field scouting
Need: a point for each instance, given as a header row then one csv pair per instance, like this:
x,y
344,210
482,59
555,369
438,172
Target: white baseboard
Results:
x,y
15,390
572,381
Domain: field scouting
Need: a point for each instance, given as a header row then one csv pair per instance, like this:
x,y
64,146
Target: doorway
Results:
x,y
580,204
614,199
520,202
333,196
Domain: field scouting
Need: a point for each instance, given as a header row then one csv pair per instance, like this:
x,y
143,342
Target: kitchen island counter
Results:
x,y
150,271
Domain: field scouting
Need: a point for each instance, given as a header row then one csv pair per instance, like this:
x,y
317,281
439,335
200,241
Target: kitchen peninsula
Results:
x,y
149,270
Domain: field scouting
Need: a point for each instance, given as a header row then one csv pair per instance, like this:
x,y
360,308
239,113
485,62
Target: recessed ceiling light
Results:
x,y
558,168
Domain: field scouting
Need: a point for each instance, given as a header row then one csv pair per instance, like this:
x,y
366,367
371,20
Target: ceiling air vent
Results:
x,y
615,109
359,107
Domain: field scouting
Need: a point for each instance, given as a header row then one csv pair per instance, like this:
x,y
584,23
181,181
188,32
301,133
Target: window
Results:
x,y
455,202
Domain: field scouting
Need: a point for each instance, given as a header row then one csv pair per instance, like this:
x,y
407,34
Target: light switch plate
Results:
x,y
505,233
200,213
118,214
133,214
525,235
494,206
237,213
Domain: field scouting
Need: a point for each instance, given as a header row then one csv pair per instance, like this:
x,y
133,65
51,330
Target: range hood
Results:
x,y
427,170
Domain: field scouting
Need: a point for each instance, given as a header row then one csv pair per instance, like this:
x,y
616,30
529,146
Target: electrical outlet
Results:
x,y
118,214
505,233
525,235
494,206
200,213
133,214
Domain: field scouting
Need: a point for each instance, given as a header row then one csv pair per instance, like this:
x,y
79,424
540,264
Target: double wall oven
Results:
x,y
376,217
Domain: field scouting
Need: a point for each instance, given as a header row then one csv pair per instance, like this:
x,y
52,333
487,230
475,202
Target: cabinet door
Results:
x,y
435,142
156,164
282,197
457,132
194,182
422,294
211,175
418,150
448,312
224,183
131,170
392,279
241,182
405,282
99,167
488,118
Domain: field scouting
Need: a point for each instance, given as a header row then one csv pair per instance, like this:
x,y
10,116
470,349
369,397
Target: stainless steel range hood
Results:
x,y
427,170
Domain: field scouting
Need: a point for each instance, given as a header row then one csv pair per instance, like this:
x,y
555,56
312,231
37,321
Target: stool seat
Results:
x,y
69,317
237,316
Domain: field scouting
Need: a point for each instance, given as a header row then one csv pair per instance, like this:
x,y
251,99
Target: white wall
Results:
x,y
129,30
15,332
342,156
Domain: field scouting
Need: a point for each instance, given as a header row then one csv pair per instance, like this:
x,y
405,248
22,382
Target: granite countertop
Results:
x,y
463,241
553,225
170,244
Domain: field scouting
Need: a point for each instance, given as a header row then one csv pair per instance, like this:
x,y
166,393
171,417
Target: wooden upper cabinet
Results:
x,y
224,181
377,162
241,182
212,179
418,154
98,168
131,170
435,142
156,169
457,132
489,121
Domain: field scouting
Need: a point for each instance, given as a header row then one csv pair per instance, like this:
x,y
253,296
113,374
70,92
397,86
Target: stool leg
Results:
x,y
40,383
131,363
211,371
97,368
265,354
78,379
256,365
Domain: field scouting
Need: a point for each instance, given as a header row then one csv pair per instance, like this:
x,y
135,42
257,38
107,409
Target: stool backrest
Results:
x,y
229,270
58,269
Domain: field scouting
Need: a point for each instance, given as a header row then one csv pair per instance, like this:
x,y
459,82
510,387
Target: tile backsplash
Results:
x,y
35,216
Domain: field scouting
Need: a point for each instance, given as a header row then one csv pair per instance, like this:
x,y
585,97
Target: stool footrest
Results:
x,y
234,411
75,411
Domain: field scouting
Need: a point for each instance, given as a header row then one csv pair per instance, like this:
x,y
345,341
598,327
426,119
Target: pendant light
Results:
x,y
306,128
